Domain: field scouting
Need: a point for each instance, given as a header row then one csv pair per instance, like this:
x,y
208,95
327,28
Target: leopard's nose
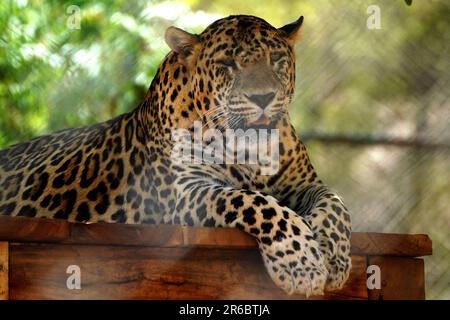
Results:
x,y
261,100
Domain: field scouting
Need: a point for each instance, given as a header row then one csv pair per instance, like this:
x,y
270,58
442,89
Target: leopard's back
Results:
x,y
90,174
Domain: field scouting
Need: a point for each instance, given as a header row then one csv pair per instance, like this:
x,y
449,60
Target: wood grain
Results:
x,y
109,272
401,279
4,271
22,229
33,229
129,235
410,245
218,237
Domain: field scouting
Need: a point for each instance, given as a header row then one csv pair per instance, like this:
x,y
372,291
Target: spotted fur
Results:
x,y
238,73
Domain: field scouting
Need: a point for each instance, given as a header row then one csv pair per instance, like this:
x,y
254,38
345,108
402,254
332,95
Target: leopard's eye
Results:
x,y
228,63
275,56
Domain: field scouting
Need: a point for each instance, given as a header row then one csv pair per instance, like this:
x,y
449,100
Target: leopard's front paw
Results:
x,y
332,229
338,273
294,261
339,266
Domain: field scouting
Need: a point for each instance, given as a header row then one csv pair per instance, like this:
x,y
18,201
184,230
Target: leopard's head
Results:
x,y
241,70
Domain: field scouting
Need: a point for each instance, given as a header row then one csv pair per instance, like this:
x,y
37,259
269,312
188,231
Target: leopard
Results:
x,y
239,73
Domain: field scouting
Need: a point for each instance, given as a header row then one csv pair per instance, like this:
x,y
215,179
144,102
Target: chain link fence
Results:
x,y
383,144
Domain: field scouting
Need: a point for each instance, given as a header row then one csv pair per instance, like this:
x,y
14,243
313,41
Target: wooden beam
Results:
x,y
401,279
20,229
222,237
33,230
409,245
391,244
38,271
4,271
126,235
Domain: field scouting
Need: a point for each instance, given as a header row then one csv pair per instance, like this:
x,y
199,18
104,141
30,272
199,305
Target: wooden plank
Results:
x,y
409,245
33,229
21,229
129,235
218,237
401,279
39,272
4,271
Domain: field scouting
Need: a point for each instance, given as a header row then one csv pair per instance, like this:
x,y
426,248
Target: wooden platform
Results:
x,y
173,262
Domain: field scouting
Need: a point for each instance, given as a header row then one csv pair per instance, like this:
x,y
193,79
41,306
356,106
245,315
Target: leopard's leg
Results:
x,y
330,222
298,187
291,255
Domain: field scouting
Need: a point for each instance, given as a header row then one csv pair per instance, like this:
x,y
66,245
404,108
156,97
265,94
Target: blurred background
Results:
x,y
372,101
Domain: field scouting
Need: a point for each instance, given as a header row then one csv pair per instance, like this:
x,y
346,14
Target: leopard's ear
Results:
x,y
290,31
180,41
